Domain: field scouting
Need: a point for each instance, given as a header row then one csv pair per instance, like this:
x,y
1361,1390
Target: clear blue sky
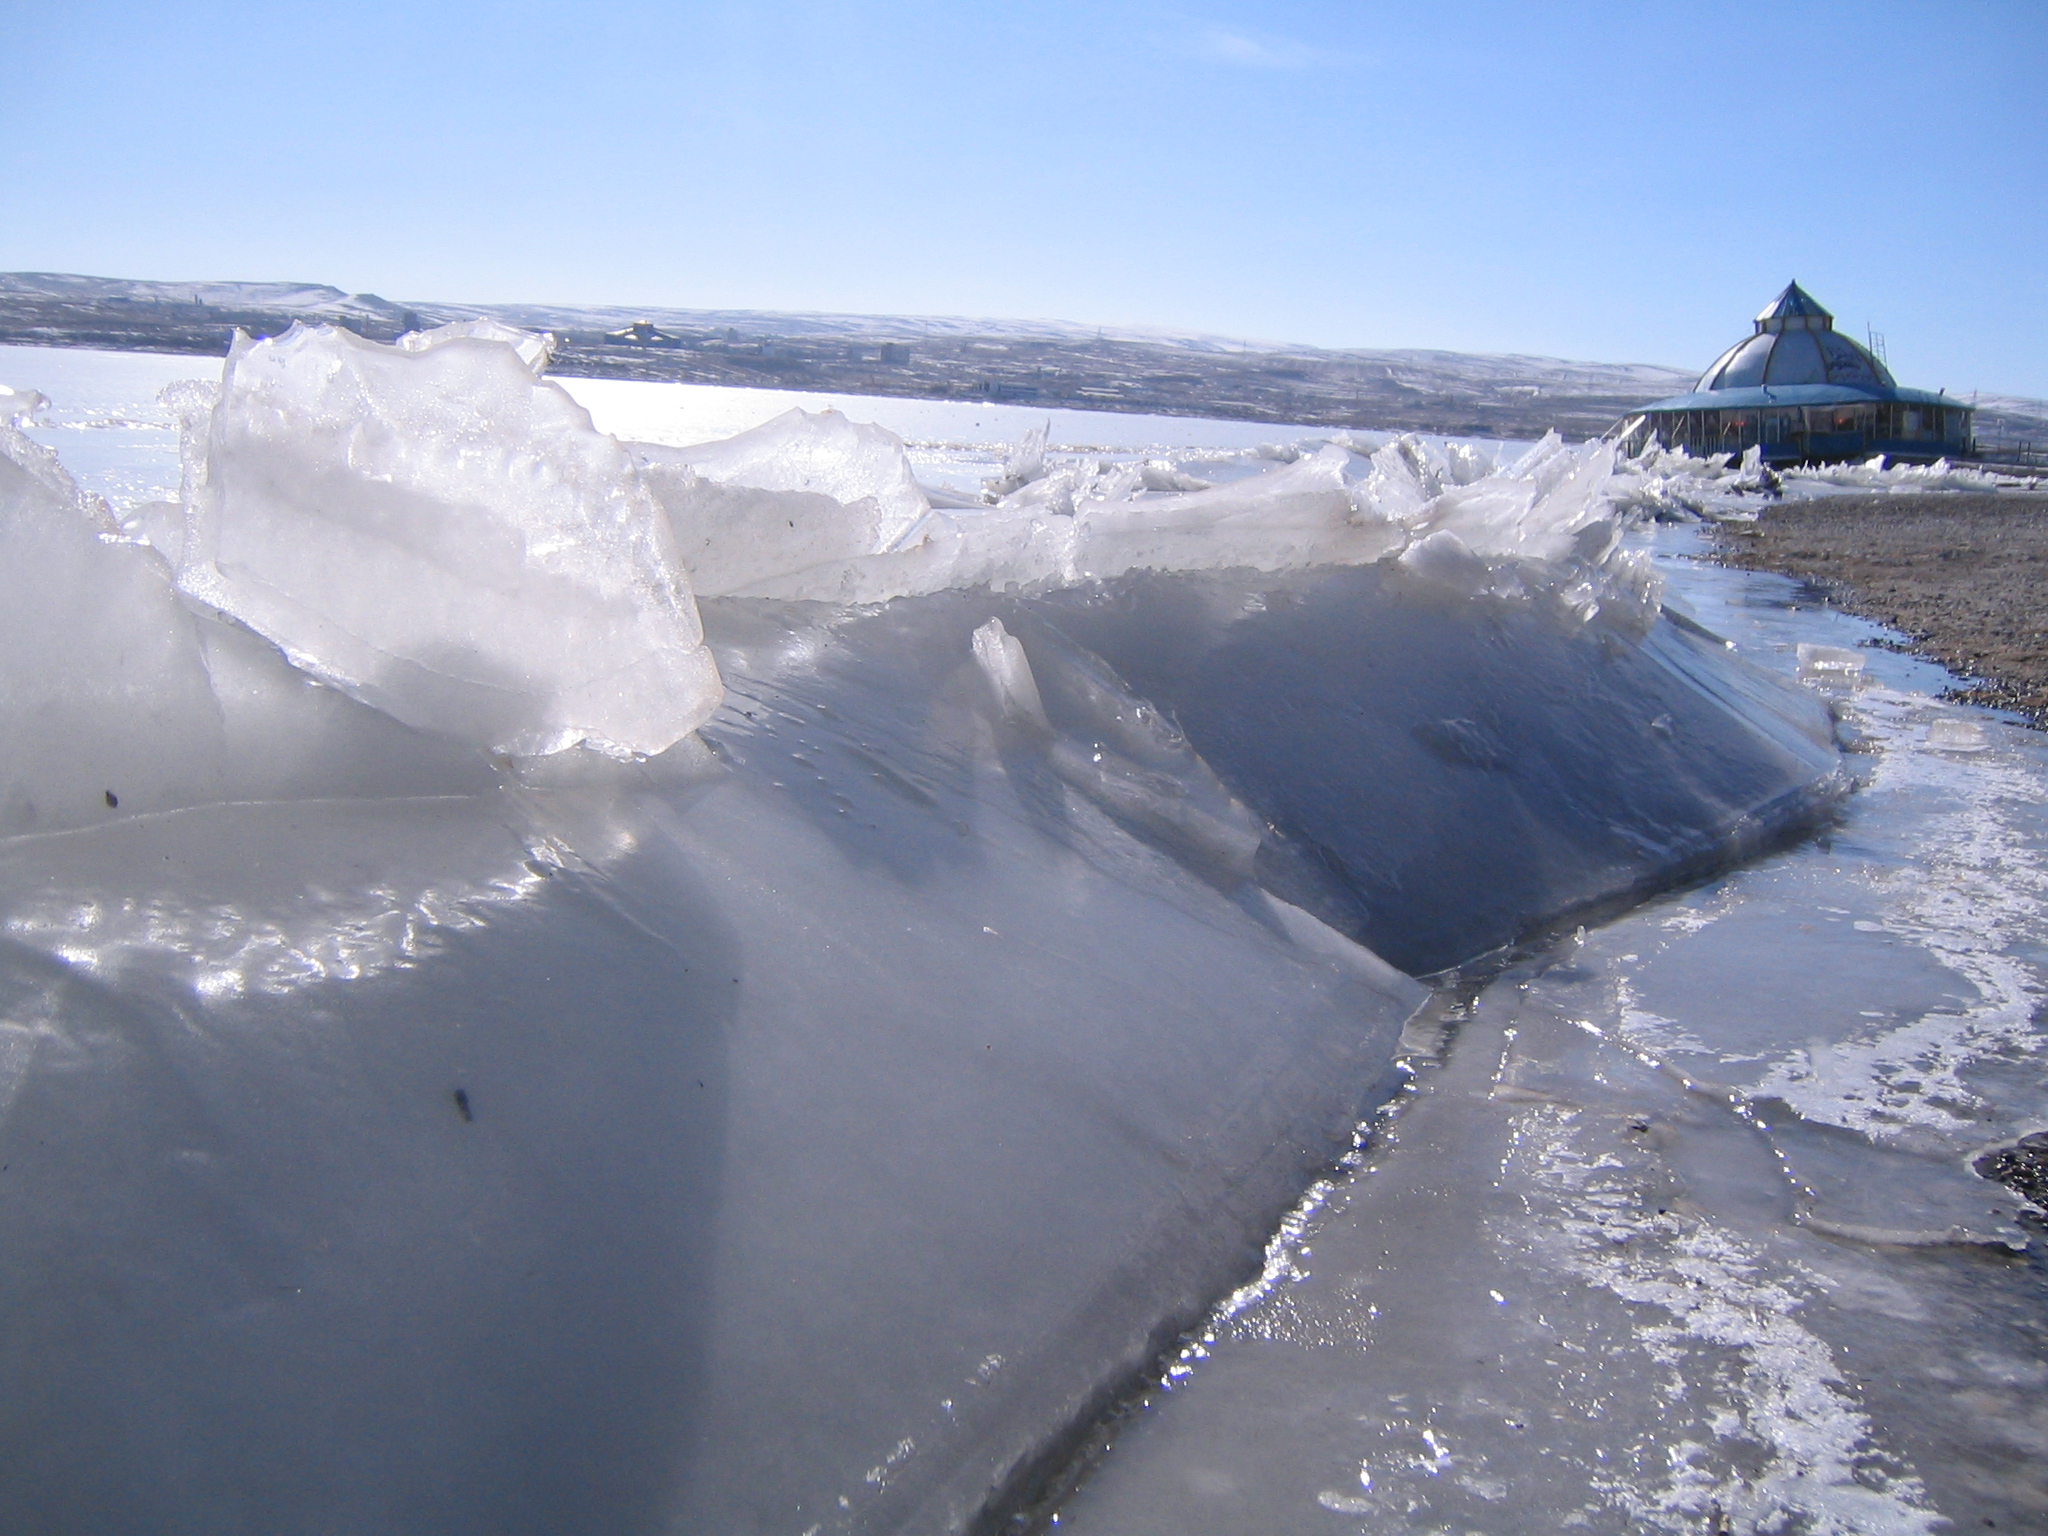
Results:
x,y
1624,182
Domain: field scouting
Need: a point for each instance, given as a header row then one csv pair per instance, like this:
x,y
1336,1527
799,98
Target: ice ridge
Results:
x,y
434,530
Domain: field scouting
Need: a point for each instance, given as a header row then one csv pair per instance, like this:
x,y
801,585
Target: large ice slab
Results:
x,y
1447,771
770,1053
767,1055
435,531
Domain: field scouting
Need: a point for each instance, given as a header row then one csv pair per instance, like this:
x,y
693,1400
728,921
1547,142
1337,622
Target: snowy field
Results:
x,y
537,998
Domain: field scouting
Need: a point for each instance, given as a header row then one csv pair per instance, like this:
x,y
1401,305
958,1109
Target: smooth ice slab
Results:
x,y
649,1150
1435,774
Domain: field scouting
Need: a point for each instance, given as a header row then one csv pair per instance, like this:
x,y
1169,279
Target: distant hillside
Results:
x,y
1048,362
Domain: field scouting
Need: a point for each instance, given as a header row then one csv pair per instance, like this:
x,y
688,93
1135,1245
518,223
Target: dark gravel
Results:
x,y
2021,1167
1963,575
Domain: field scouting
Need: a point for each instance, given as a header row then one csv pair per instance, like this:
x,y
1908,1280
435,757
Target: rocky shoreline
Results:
x,y
1964,576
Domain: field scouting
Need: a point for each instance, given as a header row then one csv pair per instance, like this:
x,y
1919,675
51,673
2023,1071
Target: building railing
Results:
x,y
2023,455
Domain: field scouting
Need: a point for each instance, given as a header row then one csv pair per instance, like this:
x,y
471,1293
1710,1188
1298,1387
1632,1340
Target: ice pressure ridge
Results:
x,y
771,513
432,529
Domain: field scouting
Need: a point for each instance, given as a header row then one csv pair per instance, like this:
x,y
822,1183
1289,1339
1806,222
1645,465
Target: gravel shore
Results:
x,y
1965,576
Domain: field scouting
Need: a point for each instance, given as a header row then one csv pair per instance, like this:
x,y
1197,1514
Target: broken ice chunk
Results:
x,y
104,701
18,405
1957,736
822,453
807,489
1119,751
1829,661
1024,463
535,350
1164,475
436,532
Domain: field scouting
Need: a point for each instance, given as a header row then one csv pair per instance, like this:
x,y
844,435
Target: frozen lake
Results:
x,y
1671,1226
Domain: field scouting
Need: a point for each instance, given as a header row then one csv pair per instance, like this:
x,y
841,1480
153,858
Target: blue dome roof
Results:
x,y
1795,343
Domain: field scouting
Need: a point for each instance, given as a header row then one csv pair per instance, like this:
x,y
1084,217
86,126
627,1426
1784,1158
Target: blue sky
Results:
x,y
1618,182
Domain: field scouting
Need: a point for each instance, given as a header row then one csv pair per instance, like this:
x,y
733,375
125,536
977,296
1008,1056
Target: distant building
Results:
x,y
645,332
895,354
1802,391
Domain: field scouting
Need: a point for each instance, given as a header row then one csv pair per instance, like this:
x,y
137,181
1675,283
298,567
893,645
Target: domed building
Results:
x,y
1803,392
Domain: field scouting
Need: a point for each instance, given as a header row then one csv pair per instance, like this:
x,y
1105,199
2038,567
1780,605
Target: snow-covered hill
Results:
x,y
1048,362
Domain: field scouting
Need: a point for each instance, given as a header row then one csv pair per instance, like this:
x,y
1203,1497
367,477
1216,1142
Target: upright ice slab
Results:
x,y
434,531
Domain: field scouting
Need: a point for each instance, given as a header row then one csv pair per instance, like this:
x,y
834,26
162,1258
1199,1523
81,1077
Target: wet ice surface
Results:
x,y
1674,1228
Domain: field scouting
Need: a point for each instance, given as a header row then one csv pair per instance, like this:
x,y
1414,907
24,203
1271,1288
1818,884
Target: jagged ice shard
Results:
x,y
493,1043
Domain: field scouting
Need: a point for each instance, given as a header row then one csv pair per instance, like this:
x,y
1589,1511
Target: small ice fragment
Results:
x,y
1022,465
1162,475
1829,659
1344,1503
1439,1457
19,405
1000,655
1957,736
1498,1299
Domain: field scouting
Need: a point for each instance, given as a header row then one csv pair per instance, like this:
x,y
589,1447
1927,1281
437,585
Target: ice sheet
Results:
x,y
765,1056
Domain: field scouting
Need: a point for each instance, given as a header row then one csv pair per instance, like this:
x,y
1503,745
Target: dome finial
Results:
x,y
1794,310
